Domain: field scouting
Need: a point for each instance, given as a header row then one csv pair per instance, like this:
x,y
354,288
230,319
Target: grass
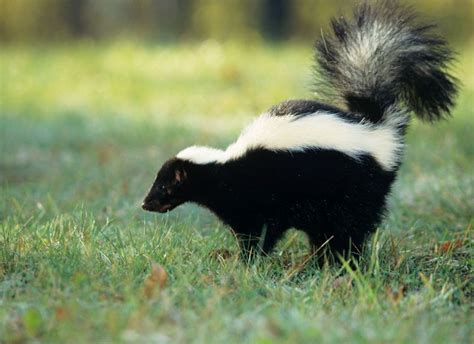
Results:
x,y
85,127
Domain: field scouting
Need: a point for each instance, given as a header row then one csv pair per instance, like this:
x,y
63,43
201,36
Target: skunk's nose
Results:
x,y
146,206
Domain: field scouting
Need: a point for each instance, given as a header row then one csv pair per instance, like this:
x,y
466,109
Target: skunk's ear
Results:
x,y
180,175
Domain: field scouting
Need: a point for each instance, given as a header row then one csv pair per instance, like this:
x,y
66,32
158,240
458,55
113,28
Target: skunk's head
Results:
x,y
170,188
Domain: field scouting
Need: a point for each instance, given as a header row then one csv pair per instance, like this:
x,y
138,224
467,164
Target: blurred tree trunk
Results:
x,y
274,18
73,13
171,17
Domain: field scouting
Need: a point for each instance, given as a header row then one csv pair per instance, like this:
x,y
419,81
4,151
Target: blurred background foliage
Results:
x,y
175,20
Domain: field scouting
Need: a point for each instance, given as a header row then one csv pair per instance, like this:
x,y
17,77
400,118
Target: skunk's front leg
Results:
x,y
255,241
248,237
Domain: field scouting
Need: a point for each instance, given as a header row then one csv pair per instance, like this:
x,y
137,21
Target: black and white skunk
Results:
x,y
323,169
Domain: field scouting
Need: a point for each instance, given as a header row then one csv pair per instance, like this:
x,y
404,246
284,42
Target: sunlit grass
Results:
x,y
83,130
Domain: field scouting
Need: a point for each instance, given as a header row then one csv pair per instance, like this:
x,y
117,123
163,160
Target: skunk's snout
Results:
x,y
147,206
151,202
155,205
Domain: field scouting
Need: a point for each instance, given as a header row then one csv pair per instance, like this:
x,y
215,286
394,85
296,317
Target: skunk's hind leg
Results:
x,y
333,247
248,245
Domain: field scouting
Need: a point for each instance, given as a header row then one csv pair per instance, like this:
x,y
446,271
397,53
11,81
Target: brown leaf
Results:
x,y
342,282
61,313
155,280
396,295
449,246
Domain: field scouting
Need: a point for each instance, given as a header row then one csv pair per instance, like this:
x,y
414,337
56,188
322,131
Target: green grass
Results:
x,y
83,130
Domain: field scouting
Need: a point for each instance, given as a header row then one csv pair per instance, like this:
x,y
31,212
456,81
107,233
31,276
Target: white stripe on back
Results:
x,y
319,130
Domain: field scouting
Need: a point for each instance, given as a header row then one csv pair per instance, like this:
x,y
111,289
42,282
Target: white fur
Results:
x,y
201,155
319,130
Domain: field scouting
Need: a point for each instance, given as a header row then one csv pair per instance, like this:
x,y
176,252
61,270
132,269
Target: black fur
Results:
x,y
303,107
324,192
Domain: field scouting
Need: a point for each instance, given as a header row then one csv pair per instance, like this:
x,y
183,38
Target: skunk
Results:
x,y
323,169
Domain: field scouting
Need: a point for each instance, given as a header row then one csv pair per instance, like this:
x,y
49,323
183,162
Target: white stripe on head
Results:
x,y
201,155
319,130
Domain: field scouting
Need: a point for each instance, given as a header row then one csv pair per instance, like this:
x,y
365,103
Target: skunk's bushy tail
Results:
x,y
381,59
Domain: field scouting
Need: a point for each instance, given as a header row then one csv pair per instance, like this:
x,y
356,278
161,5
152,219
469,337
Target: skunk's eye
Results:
x,y
161,187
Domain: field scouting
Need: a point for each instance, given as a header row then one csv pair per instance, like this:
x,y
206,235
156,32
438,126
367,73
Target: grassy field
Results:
x,y
83,130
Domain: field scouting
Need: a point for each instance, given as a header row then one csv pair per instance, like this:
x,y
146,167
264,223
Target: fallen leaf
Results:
x,y
61,313
155,280
342,282
396,295
449,246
